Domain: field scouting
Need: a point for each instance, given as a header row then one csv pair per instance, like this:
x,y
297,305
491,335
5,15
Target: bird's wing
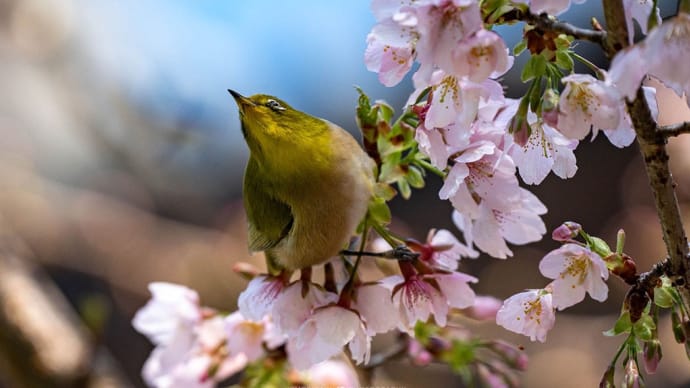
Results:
x,y
269,219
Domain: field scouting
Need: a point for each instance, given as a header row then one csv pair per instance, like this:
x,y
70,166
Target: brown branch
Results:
x,y
674,129
548,23
655,156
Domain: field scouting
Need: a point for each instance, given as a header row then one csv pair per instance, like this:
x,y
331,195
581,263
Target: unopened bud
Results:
x,y
549,107
677,326
566,231
418,353
520,130
515,357
652,355
484,308
632,376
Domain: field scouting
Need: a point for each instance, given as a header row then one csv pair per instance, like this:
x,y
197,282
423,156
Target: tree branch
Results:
x,y
674,129
655,156
548,23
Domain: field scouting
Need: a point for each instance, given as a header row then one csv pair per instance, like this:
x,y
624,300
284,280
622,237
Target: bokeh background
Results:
x,y
121,160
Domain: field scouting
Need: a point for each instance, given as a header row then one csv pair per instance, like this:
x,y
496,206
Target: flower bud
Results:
x,y
418,354
652,355
484,308
632,377
677,326
515,357
566,231
549,108
520,129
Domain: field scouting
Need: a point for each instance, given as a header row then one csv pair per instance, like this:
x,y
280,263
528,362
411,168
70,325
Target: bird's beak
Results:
x,y
241,100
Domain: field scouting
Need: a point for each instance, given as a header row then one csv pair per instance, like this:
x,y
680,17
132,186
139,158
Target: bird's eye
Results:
x,y
274,105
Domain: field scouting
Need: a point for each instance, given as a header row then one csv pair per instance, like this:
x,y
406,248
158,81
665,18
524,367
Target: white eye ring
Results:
x,y
274,105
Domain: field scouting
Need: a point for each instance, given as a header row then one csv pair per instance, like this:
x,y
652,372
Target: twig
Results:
x,y
674,129
548,23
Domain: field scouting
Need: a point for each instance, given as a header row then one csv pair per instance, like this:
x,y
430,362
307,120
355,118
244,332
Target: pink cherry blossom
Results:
x,y
172,310
197,359
481,55
375,306
244,336
638,10
587,102
324,334
296,304
658,56
257,299
544,151
552,7
390,51
417,300
576,270
517,222
418,297
530,313
442,250
331,373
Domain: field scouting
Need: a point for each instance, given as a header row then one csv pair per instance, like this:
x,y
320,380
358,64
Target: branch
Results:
x,y
674,129
548,23
655,156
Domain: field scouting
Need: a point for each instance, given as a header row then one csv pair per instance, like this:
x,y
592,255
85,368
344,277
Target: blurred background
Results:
x,y
121,161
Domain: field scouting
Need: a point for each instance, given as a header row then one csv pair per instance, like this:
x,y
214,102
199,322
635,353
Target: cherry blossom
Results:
x,y
173,308
576,270
658,56
587,102
390,51
481,55
552,7
417,300
530,313
517,222
638,10
256,301
545,150
196,359
665,47
331,373
375,306
442,250
296,304
324,334
418,297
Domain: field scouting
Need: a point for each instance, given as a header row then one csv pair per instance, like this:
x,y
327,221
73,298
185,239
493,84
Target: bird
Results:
x,y
307,183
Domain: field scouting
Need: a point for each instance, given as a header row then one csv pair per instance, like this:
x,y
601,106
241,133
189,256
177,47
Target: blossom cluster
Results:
x,y
477,136
309,323
576,270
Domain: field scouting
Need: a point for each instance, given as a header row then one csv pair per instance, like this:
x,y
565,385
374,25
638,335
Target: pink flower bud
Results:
x,y
566,231
515,357
484,308
652,355
418,354
632,375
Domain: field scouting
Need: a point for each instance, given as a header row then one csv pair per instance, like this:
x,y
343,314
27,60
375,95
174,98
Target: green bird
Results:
x,y
307,184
